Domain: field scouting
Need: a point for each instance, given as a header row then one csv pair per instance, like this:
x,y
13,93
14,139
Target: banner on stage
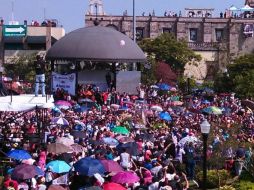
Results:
x,y
66,82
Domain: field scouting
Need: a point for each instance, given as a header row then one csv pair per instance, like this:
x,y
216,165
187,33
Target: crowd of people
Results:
x,y
151,140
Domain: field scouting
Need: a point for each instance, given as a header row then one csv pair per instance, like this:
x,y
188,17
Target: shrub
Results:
x,y
215,178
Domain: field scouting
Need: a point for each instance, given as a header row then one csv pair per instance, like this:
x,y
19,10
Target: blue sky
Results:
x,y
70,13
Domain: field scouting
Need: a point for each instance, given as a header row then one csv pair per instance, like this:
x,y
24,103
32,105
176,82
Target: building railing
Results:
x,y
206,45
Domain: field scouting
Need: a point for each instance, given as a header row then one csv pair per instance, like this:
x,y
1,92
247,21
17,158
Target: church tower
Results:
x,y
96,6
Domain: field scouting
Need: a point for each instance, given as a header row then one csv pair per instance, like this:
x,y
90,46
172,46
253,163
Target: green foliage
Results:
x,y
168,49
227,187
246,182
148,75
183,84
239,77
22,67
215,178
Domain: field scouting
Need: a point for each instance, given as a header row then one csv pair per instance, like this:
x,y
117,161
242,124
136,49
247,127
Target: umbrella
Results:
x,y
64,140
126,139
146,137
63,104
125,177
91,188
212,110
131,148
78,134
58,148
58,166
111,166
67,157
19,154
206,102
77,148
248,103
81,109
154,86
113,186
165,116
56,187
24,171
96,142
83,100
156,108
89,166
188,139
59,121
164,86
115,106
177,103
120,130
110,141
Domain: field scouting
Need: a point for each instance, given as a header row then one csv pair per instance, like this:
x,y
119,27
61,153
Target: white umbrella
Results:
x,y
154,86
66,141
247,8
188,139
156,108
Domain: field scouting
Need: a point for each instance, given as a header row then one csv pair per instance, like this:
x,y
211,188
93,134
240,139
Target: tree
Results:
x,y
166,48
21,67
239,78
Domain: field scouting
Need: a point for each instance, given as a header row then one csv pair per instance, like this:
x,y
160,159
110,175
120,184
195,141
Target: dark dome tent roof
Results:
x,y
98,44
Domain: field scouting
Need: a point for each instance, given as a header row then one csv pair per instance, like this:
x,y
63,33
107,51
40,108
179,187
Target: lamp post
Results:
x,y
134,65
205,129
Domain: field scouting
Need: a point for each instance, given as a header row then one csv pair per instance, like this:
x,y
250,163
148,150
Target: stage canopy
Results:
x,y
96,44
24,102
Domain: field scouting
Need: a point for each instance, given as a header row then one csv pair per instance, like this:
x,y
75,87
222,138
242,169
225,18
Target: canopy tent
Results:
x,y
25,102
97,44
233,8
247,8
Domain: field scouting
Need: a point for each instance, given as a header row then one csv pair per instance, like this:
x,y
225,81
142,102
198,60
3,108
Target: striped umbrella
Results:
x,y
60,121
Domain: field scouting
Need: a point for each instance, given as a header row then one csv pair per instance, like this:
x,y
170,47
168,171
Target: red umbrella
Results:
x,y
113,186
111,166
125,177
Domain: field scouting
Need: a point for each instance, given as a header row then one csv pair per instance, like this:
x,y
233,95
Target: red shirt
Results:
x,y
15,183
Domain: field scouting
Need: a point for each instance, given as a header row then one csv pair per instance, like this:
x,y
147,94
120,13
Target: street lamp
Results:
x,y
205,129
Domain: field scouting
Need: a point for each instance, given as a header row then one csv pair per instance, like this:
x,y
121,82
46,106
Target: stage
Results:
x,y
25,102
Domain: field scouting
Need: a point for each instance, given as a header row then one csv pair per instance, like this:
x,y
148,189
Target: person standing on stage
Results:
x,y
39,65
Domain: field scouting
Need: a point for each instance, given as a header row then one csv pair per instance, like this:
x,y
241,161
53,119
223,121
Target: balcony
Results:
x,y
206,46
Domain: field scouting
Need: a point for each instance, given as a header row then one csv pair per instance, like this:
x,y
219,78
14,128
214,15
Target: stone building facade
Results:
x,y
217,40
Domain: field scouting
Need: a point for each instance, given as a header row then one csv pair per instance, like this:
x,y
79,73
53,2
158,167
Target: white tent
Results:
x,y
25,102
247,8
233,8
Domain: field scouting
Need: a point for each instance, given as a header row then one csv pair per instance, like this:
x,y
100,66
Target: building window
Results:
x,y
193,34
219,34
139,33
167,30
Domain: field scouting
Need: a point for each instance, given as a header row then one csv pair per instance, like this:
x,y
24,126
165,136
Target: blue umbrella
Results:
x,y
58,166
165,116
39,171
164,86
19,154
81,109
110,141
206,102
89,166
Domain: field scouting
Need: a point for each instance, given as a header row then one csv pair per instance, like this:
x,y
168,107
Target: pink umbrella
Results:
x,y
111,166
125,177
63,104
